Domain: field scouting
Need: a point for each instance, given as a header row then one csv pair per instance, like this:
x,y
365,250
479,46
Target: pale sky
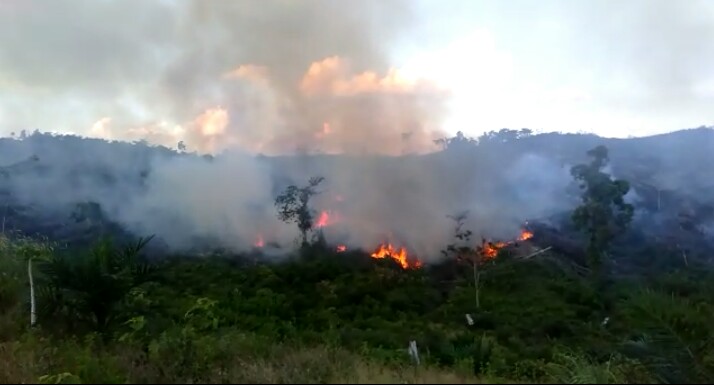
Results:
x,y
613,67
179,70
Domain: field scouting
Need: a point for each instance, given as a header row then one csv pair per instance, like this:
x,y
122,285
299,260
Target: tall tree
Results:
x,y
293,205
603,212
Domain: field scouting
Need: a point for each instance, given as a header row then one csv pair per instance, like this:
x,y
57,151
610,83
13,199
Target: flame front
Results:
x,y
341,248
399,255
489,250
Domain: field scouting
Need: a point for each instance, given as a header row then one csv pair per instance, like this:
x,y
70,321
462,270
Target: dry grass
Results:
x,y
17,365
370,373
29,360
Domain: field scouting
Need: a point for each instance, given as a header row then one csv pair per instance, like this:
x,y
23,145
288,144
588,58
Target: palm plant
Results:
x,y
91,286
674,340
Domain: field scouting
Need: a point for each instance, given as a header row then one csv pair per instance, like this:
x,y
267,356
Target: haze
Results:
x,y
361,79
285,76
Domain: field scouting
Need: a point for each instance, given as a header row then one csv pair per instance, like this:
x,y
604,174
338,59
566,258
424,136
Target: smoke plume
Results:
x,y
234,79
310,76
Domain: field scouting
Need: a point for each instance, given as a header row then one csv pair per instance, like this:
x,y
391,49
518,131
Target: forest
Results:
x,y
595,298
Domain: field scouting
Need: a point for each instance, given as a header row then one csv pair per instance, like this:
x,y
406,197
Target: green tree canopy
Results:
x,y
603,212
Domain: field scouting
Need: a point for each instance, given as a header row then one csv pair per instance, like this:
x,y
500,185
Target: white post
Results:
x,y
33,314
414,352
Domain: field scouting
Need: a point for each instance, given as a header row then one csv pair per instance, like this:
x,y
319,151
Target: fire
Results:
x,y
327,218
525,235
259,242
323,220
341,248
399,255
489,250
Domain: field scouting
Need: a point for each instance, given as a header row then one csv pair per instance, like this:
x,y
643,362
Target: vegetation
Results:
x,y
463,250
603,213
294,206
111,316
346,317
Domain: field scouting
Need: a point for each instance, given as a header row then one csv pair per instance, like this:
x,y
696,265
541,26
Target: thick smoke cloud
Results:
x,y
229,200
235,79
281,77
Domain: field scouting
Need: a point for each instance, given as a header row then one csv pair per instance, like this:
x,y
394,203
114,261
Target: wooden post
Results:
x,y
33,314
414,352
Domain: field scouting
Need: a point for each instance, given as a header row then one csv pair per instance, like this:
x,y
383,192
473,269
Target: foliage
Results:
x,y
603,213
458,142
462,250
293,206
462,142
94,284
504,135
673,335
328,317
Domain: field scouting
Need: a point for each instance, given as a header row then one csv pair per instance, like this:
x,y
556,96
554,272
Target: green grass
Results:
x,y
333,318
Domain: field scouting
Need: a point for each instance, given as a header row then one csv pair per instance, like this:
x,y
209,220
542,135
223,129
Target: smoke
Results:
x,y
228,201
235,79
309,76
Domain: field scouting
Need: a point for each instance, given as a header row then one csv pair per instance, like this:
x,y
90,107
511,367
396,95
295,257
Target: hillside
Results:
x,y
528,311
72,189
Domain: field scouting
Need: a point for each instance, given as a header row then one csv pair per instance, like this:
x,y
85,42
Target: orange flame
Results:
x,y
489,250
525,235
400,256
341,248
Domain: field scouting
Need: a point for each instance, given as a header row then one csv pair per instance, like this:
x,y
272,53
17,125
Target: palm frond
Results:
x,y
674,336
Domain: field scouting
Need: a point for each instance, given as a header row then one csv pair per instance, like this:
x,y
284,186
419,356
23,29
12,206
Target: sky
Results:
x,y
389,76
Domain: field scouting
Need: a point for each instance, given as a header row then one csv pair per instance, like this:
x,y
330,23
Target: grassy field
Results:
x,y
323,317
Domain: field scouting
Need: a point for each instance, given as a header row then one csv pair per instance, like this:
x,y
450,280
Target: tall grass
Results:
x,y
229,358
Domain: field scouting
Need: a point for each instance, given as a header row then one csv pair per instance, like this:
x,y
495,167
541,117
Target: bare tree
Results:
x,y
463,250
